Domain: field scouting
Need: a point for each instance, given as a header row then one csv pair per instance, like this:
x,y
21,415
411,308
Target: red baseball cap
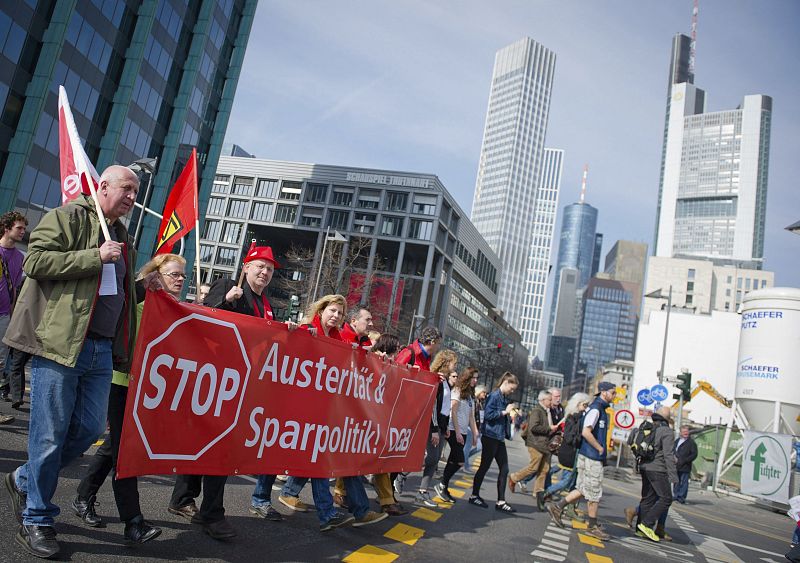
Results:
x,y
261,253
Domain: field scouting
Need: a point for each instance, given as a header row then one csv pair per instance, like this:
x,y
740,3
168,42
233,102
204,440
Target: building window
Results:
x,y
206,253
763,284
243,186
689,286
424,205
267,188
747,284
338,219
232,233
364,223
237,208
343,197
730,279
738,283
396,201
689,299
421,230
261,211
285,214
369,199
392,226
216,206
728,292
226,257
316,193
221,182
691,273
309,220
727,305
290,190
211,230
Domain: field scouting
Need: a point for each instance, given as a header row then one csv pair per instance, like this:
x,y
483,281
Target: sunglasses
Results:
x,y
175,275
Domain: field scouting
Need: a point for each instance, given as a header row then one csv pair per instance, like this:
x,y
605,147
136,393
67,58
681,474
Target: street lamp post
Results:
x,y
338,237
145,165
657,295
413,326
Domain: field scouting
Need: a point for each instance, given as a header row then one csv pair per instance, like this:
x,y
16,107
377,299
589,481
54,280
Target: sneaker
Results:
x,y
18,498
523,488
84,509
640,534
393,509
478,501
39,541
339,519
370,517
340,501
423,498
187,511
294,503
443,493
630,516
399,482
6,419
597,532
266,512
648,532
139,531
555,514
504,507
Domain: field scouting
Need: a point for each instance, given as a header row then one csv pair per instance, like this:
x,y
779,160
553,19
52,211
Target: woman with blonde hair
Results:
x,y
443,364
324,317
495,431
165,271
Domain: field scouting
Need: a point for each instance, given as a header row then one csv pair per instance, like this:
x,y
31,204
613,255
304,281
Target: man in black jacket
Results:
x,y
685,454
657,474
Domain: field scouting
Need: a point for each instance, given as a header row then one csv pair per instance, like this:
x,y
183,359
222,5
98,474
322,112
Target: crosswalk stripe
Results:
x,y
589,540
457,493
561,549
554,543
545,555
551,534
579,525
462,483
426,514
595,558
404,533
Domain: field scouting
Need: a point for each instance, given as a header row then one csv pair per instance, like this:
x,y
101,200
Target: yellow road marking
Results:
x,y
589,540
465,484
579,525
404,533
441,503
426,514
595,558
457,493
370,554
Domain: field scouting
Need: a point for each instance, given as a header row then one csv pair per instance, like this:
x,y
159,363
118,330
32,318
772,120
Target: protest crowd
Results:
x,y
72,306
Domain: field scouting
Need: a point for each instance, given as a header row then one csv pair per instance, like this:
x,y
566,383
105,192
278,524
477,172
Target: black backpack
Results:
x,y
643,442
572,431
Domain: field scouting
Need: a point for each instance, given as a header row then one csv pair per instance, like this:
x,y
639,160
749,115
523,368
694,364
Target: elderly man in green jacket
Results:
x,y
77,316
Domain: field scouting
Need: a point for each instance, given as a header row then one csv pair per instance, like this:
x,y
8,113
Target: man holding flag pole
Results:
x,y
76,316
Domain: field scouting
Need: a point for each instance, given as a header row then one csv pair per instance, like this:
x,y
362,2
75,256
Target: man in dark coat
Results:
x,y
685,454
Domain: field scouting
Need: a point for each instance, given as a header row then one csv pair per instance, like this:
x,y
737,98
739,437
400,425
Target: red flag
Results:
x,y
76,169
180,211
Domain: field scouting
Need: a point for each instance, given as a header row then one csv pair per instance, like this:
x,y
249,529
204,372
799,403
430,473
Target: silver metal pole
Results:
x,y
140,222
679,420
411,328
321,260
666,334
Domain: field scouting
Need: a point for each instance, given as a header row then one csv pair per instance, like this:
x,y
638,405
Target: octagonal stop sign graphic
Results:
x,y
192,384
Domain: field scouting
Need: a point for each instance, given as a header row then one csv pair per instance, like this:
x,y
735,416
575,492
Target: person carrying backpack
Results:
x,y
657,466
570,443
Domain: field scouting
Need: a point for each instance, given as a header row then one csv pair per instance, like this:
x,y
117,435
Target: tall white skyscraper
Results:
x,y
541,248
510,166
714,197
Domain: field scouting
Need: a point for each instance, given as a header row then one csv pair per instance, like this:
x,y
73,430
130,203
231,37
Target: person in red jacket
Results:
x,y
358,326
420,352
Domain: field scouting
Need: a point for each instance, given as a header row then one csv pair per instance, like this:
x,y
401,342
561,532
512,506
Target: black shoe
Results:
x,y
39,541
16,405
138,531
504,507
219,530
540,501
84,509
478,501
18,498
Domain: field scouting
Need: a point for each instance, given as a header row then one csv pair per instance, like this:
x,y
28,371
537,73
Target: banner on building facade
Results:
x,y
218,393
766,465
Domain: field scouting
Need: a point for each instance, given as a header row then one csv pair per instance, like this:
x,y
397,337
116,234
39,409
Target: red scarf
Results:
x,y
265,303
317,324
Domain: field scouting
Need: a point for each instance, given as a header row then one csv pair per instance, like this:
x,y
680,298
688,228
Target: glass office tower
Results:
x,y
145,79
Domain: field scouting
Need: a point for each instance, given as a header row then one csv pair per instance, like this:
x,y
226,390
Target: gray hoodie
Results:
x,y
664,461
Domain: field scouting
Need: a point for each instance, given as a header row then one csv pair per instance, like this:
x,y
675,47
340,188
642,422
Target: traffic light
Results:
x,y
685,386
499,347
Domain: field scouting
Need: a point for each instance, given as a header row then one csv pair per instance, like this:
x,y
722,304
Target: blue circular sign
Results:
x,y
659,393
644,397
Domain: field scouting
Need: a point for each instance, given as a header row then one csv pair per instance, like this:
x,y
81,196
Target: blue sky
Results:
x,y
404,85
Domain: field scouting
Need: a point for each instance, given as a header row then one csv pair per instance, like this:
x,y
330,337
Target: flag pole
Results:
x,y
241,276
197,254
97,207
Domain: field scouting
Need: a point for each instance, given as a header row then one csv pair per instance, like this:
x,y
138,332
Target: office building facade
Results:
x,y
539,260
510,165
147,79
409,252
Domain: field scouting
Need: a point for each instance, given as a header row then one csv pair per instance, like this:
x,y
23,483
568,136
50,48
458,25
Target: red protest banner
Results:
x,y
216,393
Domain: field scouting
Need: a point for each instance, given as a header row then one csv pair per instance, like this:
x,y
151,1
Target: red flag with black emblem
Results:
x,y
180,211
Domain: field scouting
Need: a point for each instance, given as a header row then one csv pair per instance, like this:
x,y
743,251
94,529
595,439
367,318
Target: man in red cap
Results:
x,y
249,299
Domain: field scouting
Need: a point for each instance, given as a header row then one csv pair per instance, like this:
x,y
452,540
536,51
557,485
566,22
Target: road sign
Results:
x,y
624,419
644,397
620,434
766,465
659,393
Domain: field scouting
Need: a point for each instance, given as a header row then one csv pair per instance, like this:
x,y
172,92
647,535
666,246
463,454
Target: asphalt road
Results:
x,y
709,528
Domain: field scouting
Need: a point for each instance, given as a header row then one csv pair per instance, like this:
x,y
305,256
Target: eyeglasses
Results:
x,y
175,275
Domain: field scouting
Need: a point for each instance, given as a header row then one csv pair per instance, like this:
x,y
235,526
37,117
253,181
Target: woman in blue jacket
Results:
x,y
495,430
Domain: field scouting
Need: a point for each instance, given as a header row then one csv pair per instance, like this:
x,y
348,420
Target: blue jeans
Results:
x,y
796,536
568,477
293,486
470,451
262,494
323,499
681,488
68,413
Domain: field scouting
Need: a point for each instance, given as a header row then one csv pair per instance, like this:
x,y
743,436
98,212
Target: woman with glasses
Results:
x,y
165,271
